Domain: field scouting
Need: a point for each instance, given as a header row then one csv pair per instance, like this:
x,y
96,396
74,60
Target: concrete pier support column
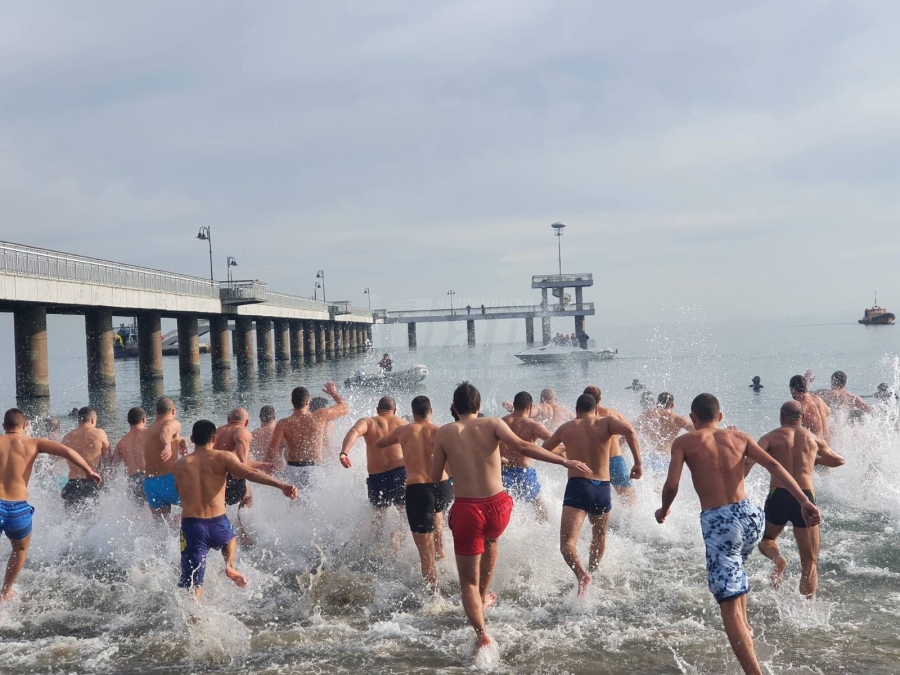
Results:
x,y
320,339
579,332
578,296
345,340
329,338
411,335
32,367
354,339
150,346
242,339
188,344
101,355
470,332
219,344
369,334
529,331
545,329
282,335
264,350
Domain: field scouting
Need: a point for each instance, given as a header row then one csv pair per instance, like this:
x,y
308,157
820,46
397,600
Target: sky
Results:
x,y
735,159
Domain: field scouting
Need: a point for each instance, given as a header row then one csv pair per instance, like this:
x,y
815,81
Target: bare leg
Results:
x,y
626,493
569,529
769,548
486,573
473,604
439,536
229,552
738,635
14,566
425,546
541,510
744,612
808,544
162,515
598,540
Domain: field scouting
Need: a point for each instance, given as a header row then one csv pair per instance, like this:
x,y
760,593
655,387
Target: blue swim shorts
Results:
x,y
730,532
198,535
591,496
619,473
521,483
15,519
160,491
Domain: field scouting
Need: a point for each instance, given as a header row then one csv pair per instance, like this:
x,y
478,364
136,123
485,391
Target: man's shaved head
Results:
x,y
591,390
14,419
238,415
165,405
387,404
791,411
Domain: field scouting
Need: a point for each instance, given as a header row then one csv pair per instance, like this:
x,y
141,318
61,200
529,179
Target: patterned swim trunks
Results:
x,y
730,532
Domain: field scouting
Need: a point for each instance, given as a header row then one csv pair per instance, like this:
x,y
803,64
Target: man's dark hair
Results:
x,y
136,416
14,419
203,432
522,401
594,391
85,414
838,379
267,414
798,382
466,399
665,399
386,403
299,397
705,408
318,403
421,406
164,405
585,403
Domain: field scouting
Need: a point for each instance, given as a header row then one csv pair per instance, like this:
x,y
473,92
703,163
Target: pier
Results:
x,y
35,282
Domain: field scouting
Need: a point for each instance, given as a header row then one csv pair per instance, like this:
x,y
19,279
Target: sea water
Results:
x,y
329,594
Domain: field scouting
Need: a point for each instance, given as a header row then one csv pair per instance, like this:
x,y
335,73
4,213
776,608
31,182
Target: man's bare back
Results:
x,y
589,439
660,427
162,446
17,456
416,441
260,440
302,433
130,450
795,448
89,442
527,429
371,429
815,412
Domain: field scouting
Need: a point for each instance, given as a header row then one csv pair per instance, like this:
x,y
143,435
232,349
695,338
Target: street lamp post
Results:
x,y
230,262
205,234
316,290
321,275
559,230
369,296
451,294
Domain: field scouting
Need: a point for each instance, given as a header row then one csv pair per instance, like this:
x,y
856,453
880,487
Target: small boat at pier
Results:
x,y
554,353
877,316
393,378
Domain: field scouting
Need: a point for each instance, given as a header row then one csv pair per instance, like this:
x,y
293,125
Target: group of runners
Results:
x,y
474,468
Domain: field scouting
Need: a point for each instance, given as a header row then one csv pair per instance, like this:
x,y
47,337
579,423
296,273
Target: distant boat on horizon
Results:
x,y
877,316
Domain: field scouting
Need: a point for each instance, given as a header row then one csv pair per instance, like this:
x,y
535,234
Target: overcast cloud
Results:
x,y
737,157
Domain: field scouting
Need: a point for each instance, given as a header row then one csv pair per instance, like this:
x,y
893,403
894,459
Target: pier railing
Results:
x,y
296,302
477,312
243,292
47,264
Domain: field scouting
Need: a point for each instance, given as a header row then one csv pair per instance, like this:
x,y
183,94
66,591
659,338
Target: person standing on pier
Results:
x,y
92,444
17,455
130,452
161,450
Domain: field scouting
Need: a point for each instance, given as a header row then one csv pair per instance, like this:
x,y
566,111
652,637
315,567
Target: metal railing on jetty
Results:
x,y
459,313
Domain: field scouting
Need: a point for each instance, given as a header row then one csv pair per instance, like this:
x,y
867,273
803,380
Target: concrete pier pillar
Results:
x,y
282,336
309,338
578,296
100,342
354,339
329,338
545,329
470,332
529,331
219,343
411,335
188,344
242,339
32,367
345,340
150,346
579,331
320,339
264,350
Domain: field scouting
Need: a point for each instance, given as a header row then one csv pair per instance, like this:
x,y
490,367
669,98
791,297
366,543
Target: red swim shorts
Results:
x,y
474,520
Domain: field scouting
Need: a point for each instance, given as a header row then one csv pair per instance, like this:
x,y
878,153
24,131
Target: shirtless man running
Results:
x,y
235,437
482,508
589,438
161,449
619,473
815,412
386,483
838,398
200,479
660,426
301,436
17,455
130,452
425,501
548,411
261,437
93,445
798,451
519,477
730,523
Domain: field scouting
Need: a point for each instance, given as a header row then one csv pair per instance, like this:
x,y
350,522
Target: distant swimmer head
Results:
x,y
466,399
798,384
548,395
585,404
705,409
86,414
136,416
665,400
267,414
14,419
635,382
594,391
647,400
791,412
299,397
203,433
756,379
522,401
838,379
165,405
318,403
386,404
238,416
421,407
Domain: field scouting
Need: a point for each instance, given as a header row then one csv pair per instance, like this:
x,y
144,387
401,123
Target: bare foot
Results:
x,y
584,580
489,601
236,576
483,640
7,596
777,575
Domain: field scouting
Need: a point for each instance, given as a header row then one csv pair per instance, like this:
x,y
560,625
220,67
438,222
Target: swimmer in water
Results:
x,y
519,477
815,412
619,473
482,508
425,501
200,479
636,385
731,525
130,452
756,384
17,455
798,451
588,439
92,444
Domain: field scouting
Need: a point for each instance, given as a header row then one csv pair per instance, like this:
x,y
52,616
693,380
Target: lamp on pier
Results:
x,y
205,234
231,262
558,227
369,296
321,275
316,290
451,293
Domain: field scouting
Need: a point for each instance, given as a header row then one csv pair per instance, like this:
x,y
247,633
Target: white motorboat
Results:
x,y
389,378
562,354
